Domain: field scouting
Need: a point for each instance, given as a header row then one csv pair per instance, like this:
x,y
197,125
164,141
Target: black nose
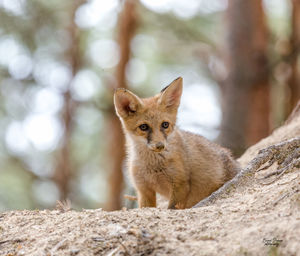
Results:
x,y
160,145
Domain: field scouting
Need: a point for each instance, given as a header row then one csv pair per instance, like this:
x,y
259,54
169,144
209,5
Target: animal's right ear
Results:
x,y
170,95
126,103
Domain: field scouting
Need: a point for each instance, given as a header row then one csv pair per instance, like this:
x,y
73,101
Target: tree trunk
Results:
x,y
63,171
245,92
126,26
294,83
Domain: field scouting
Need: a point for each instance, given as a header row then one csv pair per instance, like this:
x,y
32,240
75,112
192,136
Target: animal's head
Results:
x,y
149,120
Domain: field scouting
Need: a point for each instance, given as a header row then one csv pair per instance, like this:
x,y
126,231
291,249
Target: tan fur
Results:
x,y
187,170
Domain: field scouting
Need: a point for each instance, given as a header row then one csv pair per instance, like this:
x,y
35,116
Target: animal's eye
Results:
x,y
165,125
144,127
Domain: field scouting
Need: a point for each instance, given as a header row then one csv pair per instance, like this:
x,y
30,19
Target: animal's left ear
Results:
x,y
126,103
170,96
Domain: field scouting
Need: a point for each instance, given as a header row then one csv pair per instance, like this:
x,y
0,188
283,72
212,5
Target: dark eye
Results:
x,y
144,127
165,125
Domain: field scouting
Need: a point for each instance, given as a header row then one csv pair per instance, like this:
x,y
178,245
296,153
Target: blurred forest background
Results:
x,y
60,62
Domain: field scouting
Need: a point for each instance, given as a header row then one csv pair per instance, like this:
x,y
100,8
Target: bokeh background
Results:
x,y
60,62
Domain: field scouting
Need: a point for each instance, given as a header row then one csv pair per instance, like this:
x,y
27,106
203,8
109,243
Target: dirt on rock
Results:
x,y
254,219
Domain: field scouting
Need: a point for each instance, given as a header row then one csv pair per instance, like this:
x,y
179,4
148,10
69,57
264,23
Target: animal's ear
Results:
x,y
170,95
126,103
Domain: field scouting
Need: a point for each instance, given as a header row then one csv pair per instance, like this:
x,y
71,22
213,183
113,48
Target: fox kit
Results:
x,y
179,165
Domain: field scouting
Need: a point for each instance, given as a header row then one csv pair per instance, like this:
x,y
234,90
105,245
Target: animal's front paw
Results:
x,y
172,206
